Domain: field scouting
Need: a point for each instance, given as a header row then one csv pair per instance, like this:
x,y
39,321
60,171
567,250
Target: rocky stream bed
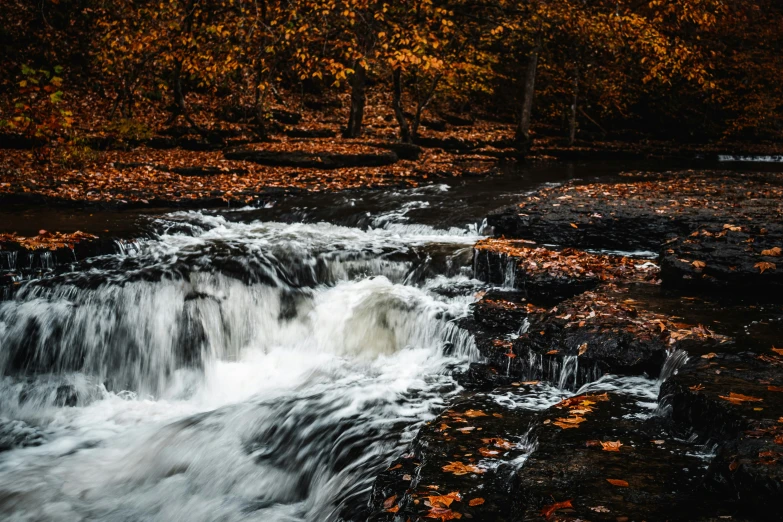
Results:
x,y
612,351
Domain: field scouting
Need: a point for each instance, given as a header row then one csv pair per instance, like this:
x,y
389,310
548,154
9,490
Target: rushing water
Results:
x,y
252,364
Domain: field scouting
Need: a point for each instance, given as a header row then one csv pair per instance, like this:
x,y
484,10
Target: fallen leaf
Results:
x,y
696,387
738,398
476,501
458,468
582,348
531,383
772,252
617,482
763,265
398,466
444,501
389,502
475,413
599,509
699,264
611,446
778,351
710,355
733,465
573,225
547,511
466,429
775,388
552,352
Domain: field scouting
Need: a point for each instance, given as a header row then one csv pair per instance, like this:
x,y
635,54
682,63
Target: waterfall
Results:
x,y
228,370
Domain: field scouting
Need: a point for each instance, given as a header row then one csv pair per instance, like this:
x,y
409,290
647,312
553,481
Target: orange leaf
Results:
x,y
763,265
778,351
738,398
699,264
389,502
549,510
611,446
476,501
475,413
458,468
444,501
617,482
574,225
772,252
775,388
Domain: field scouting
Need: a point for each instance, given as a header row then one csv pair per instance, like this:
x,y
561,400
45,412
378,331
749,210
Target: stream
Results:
x,y
244,364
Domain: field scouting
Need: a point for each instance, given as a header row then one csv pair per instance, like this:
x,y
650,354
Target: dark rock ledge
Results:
x,y
546,429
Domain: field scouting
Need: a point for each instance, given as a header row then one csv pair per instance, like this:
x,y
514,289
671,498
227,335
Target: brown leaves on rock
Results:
x,y
47,240
476,501
772,252
548,511
578,406
458,468
738,398
572,263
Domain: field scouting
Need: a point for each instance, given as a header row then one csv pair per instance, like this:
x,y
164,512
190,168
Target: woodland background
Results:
x,y
687,70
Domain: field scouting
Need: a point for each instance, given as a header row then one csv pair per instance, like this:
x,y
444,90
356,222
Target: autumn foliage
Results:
x,y
696,68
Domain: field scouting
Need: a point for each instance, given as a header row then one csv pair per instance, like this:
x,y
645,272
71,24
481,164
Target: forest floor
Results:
x,y
145,162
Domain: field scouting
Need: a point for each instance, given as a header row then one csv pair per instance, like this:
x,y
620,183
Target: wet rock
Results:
x,y
731,258
577,341
461,463
598,457
642,211
735,400
324,160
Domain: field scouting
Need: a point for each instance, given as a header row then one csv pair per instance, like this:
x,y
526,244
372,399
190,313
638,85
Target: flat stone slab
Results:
x,y
732,258
642,211
320,160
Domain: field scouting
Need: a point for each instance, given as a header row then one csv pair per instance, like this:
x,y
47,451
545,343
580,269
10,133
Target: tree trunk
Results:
x,y
399,113
181,106
572,116
529,89
358,99
260,117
